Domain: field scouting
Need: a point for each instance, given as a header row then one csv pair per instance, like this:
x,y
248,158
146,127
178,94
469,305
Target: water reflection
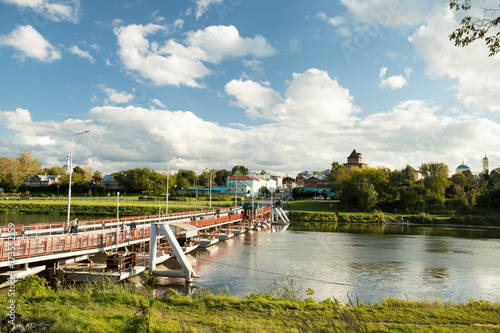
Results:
x,y
361,262
435,273
467,232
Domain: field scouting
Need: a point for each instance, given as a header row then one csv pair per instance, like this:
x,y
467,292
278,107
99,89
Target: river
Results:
x,y
358,262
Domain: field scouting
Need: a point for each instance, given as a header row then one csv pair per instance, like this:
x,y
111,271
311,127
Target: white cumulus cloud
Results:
x,y
477,74
117,97
175,63
311,98
30,43
395,81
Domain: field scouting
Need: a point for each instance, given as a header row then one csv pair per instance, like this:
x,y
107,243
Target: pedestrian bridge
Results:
x,y
29,249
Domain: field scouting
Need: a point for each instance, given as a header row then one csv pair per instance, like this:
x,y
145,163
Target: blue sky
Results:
x,y
283,86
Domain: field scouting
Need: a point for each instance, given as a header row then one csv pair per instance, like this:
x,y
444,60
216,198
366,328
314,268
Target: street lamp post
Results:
x,y
235,190
70,159
117,207
168,177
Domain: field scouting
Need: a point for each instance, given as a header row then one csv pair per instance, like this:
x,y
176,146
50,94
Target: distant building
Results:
x,y
243,185
42,180
462,168
355,161
301,177
110,183
486,165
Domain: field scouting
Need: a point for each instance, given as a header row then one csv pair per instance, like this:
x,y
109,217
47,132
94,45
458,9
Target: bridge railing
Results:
x,y
32,247
62,227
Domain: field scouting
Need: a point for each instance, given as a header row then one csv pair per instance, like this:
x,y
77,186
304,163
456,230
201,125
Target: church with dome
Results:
x,y
485,162
462,168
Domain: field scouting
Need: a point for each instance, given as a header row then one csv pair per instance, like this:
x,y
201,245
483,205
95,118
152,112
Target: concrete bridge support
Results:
x,y
164,229
281,214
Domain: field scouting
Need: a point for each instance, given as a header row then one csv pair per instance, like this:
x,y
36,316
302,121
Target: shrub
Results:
x,y
33,286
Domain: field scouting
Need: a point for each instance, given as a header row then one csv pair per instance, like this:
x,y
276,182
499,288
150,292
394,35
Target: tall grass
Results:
x,y
106,306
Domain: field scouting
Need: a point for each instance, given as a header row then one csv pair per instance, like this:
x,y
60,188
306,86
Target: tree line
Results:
x,y
13,172
398,190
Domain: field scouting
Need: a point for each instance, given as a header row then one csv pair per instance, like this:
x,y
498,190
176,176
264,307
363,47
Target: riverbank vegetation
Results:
x,y
120,307
334,211
83,206
436,197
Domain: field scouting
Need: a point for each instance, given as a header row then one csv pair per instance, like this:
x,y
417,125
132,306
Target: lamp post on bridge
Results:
x,y
168,177
70,160
235,190
117,207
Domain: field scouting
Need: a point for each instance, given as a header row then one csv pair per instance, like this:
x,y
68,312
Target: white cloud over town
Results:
x,y
315,111
173,63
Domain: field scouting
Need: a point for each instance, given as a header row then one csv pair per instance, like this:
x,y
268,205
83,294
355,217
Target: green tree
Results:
x,y
14,171
221,177
411,198
145,181
204,178
55,170
189,175
264,190
474,28
435,181
458,184
357,190
97,177
79,175
239,170
494,177
337,172
367,196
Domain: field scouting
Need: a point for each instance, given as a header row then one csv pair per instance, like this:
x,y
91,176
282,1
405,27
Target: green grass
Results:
x,y
111,307
318,206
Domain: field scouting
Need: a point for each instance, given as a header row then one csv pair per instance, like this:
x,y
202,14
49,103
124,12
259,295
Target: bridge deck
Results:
x,y
50,241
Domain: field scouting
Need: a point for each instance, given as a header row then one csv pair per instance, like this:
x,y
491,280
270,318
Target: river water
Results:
x,y
358,262
361,262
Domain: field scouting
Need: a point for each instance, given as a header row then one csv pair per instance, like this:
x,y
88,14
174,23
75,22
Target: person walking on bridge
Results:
x,y
74,226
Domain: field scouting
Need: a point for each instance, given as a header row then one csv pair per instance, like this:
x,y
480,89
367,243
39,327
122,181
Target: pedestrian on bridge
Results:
x,y
74,226
133,225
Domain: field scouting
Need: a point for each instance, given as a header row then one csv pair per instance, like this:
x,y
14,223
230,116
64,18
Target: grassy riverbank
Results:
x,y
333,211
300,210
82,206
111,307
